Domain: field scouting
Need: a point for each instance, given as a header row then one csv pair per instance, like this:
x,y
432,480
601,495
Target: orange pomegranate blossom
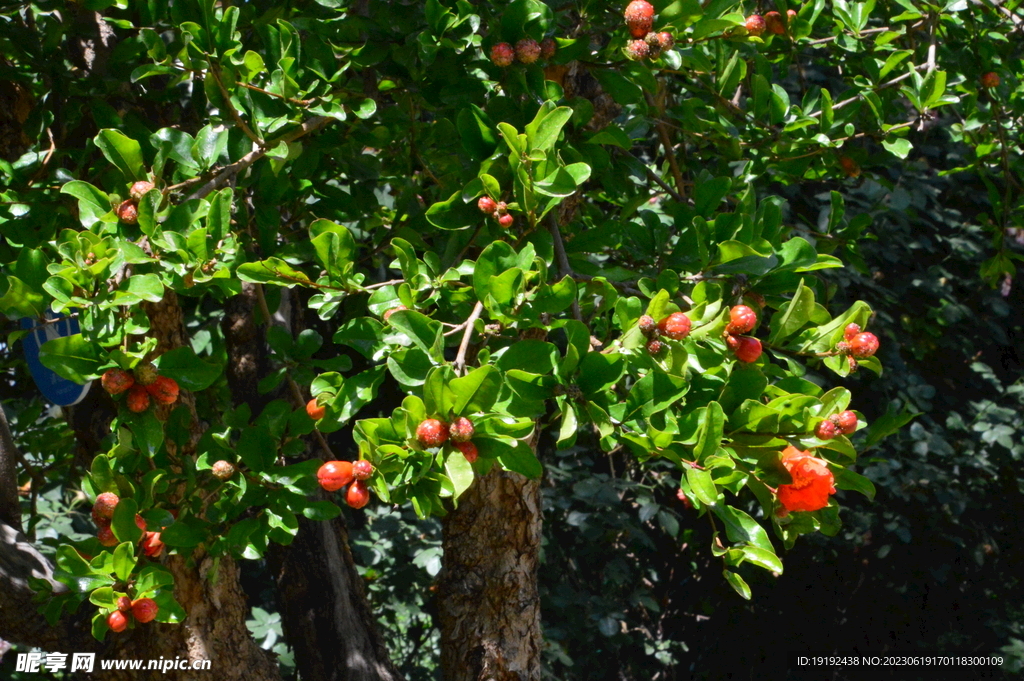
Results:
x,y
812,483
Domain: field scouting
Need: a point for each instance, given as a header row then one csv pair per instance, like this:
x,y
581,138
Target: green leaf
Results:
x,y
185,533
321,510
22,300
898,146
184,366
793,315
476,391
271,271
741,528
333,245
890,422
73,357
518,458
460,472
737,583
599,372
422,331
549,129
123,523
762,558
454,213
145,287
74,572
712,431
123,152
256,448
702,485
569,426
124,560
847,479
477,131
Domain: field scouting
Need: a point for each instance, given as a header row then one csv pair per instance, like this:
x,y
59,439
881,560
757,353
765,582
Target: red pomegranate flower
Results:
x,y
812,481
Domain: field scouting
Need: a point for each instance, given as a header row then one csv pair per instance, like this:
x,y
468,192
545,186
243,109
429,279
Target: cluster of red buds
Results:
x,y
527,51
646,44
142,384
334,475
496,209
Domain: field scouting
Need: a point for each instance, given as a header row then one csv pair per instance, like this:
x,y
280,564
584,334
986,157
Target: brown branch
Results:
x,y
664,185
666,143
300,102
241,164
234,112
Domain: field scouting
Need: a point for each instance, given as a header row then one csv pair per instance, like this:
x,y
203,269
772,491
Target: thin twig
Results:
x,y
460,358
883,86
382,284
664,185
260,142
300,102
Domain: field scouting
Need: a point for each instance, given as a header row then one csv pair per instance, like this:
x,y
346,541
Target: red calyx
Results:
x,y
742,319
639,16
863,345
117,621
432,433
461,429
468,450
358,494
362,469
334,475
138,399
116,381
103,509
675,326
163,390
151,544
487,205
528,50
773,22
846,422
503,54
315,411
755,25
826,430
748,350
145,610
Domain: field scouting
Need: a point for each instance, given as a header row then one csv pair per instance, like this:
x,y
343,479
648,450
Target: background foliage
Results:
x,y
868,130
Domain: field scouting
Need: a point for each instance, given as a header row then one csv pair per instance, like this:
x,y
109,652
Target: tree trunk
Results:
x,y
488,598
323,608
326,617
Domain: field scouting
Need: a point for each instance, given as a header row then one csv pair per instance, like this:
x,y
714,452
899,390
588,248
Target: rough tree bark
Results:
x,y
487,596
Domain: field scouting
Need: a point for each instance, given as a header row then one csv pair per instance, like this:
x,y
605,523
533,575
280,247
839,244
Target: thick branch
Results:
x,y
20,621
